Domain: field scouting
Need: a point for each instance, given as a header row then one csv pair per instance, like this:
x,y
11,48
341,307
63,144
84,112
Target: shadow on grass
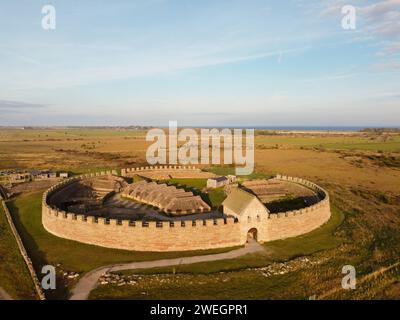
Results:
x,y
289,204
45,248
320,239
317,240
36,255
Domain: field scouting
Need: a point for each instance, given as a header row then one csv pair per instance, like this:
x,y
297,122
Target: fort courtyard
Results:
x,y
149,215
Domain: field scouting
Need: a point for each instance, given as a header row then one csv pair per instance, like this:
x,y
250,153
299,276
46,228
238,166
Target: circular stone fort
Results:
x,y
140,211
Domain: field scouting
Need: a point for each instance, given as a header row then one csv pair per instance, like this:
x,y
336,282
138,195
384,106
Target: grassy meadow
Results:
x,y
45,248
12,266
360,170
84,149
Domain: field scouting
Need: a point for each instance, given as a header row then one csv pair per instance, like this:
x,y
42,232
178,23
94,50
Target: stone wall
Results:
x,y
126,171
138,235
293,223
179,235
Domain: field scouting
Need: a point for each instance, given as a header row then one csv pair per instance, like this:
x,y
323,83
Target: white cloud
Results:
x,y
9,104
170,62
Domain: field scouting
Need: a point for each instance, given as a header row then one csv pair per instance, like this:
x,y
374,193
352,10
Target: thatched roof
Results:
x,y
168,198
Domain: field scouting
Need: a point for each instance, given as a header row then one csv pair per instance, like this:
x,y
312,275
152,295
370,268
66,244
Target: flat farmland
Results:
x,y
99,148
70,149
361,172
344,141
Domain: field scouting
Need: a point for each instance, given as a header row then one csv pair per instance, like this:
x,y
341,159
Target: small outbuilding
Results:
x,y
213,183
52,174
64,175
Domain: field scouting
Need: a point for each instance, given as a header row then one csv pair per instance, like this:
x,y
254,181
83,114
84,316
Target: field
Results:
x,y
83,150
189,184
360,170
70,256
203,280
343,142
278,251
12,266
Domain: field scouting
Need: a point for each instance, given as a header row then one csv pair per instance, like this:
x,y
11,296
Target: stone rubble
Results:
x,y
280,268
70,275
276,268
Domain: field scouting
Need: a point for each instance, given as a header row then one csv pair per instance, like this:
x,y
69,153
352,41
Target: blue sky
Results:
x,y
208,62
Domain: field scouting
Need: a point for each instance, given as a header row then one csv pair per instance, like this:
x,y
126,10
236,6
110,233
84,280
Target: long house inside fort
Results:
x,y
162,217
169,199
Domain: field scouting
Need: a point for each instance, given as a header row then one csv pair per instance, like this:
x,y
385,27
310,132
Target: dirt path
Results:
x,y
4,295
89,281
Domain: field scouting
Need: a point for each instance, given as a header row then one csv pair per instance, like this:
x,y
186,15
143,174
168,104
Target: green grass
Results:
x,y
317,240
136,178
45,248
244,285
230,170
215,198
231,279
249,261
221,170
69,133
281,250
383,285
257,175
198,184
14,275
369,146
331,142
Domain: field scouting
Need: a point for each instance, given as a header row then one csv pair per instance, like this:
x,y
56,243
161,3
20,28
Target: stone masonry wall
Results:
x,y
181,236
152,236
159,168
293,223
136,235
